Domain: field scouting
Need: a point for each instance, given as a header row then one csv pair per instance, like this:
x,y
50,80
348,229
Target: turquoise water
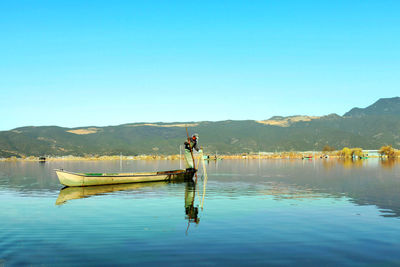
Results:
x,y
256,212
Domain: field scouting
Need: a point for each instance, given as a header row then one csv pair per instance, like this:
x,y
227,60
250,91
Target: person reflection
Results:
x,y
190,210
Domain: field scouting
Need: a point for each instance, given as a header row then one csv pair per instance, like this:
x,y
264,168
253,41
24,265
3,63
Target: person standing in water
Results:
x,y
190,144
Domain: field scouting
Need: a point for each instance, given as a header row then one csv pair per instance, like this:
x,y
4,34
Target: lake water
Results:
x,y
255,212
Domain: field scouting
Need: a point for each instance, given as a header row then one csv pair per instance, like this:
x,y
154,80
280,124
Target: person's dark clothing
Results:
x,y
193,143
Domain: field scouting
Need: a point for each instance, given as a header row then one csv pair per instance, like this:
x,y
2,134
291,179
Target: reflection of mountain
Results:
x,y
28,178
367,186
364,182
289,191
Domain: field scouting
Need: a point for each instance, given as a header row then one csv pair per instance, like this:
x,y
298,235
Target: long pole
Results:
x,y
120,162
204,183
191,152
180,156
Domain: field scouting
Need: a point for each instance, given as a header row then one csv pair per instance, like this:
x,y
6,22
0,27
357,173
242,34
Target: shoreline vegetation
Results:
x,y
345,153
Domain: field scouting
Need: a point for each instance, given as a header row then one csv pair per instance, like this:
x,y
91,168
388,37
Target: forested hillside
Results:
x,y
369,128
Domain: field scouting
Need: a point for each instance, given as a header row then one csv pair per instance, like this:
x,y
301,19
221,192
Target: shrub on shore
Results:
x,y
351,152
389,152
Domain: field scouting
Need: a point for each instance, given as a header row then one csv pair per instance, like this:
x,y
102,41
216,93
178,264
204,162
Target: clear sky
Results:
x,y
80,63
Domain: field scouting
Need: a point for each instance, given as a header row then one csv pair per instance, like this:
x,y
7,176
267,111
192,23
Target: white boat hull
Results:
x,y
81,179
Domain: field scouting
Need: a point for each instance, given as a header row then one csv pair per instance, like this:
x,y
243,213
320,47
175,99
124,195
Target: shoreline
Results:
x,y
283,155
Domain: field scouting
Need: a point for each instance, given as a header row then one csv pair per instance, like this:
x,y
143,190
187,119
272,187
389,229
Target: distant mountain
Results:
x,y
369,128
384,106
287,121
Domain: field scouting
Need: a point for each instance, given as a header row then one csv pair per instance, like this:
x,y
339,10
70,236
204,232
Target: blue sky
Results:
x,y
81,63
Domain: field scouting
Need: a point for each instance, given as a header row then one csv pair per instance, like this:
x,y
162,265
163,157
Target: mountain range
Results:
x,y
368,128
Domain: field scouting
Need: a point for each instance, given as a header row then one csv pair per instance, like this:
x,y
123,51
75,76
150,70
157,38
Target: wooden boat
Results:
x,y
70,193
87,179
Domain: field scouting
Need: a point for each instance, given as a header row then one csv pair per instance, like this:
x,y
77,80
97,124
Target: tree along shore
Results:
x,y
354,153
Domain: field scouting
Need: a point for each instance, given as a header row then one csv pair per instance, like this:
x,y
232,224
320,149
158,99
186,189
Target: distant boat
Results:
x,y
208,157
87,179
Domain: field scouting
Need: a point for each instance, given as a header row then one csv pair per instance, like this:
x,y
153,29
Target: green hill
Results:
x,y
369,128
384,106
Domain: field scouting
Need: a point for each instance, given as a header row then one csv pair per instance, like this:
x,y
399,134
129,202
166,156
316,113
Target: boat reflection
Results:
x,y
70,193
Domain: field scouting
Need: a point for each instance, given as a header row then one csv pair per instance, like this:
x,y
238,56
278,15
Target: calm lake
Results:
x,y
255,212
